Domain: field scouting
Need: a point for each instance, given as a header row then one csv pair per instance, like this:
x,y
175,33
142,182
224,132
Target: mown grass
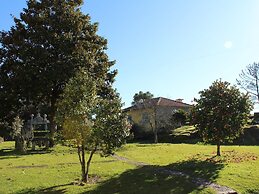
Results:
x,y
55,171
238,167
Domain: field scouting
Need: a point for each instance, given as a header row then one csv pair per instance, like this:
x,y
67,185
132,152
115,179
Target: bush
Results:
x,y
249,137
140,132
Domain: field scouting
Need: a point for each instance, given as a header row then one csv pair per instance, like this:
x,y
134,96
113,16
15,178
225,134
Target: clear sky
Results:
x,y
172,48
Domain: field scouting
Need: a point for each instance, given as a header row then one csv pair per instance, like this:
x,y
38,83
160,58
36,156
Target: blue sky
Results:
x,y
172,48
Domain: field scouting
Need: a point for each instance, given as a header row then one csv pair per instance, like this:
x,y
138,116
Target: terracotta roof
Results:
x,y
160,101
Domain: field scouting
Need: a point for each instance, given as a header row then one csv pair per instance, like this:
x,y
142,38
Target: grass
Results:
x,y
238,167
53,171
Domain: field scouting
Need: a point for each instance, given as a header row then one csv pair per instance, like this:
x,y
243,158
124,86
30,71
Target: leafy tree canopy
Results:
x,y
221,112
49,42
141,97
91,121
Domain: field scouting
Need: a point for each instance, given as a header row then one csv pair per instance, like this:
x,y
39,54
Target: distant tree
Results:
x,y
221,112
141,97
249,80
48,43
92,122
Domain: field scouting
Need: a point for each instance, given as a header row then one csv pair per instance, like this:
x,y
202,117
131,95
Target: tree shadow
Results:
x,y
252,191
9,153
207,169
50,190
161,179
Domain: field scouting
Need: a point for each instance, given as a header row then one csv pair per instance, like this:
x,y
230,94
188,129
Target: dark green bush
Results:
x,y
249,137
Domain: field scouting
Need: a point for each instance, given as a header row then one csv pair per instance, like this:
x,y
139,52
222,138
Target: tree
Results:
x,y
249,80
221,112
91,121
50,41
141,97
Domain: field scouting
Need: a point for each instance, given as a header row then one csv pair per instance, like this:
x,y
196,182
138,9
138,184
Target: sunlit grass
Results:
x,y
56,170
238,170
32,172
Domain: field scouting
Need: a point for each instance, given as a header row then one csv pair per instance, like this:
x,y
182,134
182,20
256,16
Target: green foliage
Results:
x,y
49,42
141,97
250,136
99,121
221,112
78,98
91,121
111,126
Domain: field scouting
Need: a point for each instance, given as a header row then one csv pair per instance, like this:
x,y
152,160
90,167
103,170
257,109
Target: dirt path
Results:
x,y
198,181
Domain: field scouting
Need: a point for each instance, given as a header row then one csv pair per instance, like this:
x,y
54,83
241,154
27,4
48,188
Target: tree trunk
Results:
x,y
155,136
84,178
218,148
155,127
80,159
85,171
88,164
81,150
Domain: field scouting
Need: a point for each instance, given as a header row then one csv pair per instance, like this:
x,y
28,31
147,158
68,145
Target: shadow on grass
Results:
x,y
9,153
252,191
157,179
50,190
206,169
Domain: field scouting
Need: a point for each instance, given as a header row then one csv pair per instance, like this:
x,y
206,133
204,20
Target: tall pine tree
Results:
x,y
49,42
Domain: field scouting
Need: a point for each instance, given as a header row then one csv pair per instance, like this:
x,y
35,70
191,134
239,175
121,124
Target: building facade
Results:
x,y
155,113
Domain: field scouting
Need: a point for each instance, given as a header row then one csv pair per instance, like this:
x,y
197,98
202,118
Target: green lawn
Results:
x,y
54,171
239,168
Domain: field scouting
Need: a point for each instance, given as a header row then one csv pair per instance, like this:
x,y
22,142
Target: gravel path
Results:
x,y
198,181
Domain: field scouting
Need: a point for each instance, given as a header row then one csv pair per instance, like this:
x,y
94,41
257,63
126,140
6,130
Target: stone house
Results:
x,y
155,113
